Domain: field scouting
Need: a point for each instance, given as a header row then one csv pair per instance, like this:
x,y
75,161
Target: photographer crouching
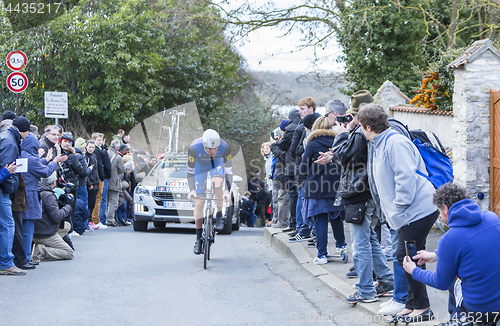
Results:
x,y
48,237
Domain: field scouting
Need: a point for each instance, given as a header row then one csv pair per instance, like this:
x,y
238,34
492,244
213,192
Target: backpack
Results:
x,y
437,163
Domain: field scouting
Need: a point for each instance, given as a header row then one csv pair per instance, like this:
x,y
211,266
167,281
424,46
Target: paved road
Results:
x,y
122,277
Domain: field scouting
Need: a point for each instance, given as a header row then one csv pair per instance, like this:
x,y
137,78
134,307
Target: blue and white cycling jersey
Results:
x,y
200,163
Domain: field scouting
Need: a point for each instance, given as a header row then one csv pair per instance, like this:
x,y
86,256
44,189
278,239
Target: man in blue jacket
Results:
x,y
469,251
10,150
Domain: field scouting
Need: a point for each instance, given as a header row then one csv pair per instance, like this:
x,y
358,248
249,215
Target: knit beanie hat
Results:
x,y
8,115
67,136
22,124
284,123
310,119
80,143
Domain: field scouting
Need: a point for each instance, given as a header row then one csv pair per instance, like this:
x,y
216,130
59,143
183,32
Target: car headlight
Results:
x,y
140,189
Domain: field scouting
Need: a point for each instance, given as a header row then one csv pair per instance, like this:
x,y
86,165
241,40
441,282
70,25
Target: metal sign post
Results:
x,y
17,82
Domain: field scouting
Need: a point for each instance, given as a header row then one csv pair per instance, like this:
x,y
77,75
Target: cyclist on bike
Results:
x,y
208,154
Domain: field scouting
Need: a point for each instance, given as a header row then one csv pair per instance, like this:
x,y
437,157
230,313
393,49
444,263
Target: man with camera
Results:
x,y
48,237
350,151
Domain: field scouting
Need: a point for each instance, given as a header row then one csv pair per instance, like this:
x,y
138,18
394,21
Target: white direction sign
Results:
x,y
56,105
17,82
16,60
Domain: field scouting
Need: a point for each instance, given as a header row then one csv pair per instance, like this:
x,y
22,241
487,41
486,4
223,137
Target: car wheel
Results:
x,y
140,225
236,226
228,227
159,224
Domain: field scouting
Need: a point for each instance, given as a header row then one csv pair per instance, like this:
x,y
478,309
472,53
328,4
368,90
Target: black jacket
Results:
x,y
106,160
254,186
10,150
72,167
297,147
283,147
351,152
46,144
93,177
319,180
247,205
51,214
100,163
82,178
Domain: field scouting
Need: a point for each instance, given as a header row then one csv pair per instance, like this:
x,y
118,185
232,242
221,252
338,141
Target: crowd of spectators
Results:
x,y
70,186
357,165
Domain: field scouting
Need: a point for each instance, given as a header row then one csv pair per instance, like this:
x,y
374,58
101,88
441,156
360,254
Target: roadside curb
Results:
x,y
279,242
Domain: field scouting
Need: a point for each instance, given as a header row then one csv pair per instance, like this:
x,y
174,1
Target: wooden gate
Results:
x,y
495,151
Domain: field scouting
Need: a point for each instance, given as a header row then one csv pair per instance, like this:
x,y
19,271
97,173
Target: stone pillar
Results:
x,y
476,72
388,95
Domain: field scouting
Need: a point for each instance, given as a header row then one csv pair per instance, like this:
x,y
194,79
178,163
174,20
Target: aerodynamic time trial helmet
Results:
x,y
211,139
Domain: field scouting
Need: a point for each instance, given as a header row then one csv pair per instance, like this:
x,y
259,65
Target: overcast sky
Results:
x,y
267,49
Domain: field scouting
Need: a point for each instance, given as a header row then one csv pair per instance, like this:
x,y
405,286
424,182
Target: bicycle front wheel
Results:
x,y
206,242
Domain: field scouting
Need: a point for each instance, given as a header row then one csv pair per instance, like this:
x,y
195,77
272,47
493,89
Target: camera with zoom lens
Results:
x,y
65,199
345,119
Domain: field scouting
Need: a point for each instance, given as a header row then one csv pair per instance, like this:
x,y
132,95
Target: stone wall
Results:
x,y
471,123
436,121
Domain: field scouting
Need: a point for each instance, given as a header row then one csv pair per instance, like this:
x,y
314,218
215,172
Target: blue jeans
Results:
x,y
367,254
104,200
302,226
121,213
28,231
248,217
337,223
6,231
322,233
400,284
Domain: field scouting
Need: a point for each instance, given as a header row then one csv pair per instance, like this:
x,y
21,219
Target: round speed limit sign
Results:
x,y
17,82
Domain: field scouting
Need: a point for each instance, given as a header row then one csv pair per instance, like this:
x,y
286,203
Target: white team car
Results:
x,y
161,197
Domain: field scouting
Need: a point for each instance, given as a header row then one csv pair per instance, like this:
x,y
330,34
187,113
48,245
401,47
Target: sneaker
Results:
x,y
93,226
277,225
384,289
355,298
312,239
74,234
112,223
298,238
340,249
125,223
293,233
311,244
383,304
288,229
101,226
197,246
12,271
391,308
320,260
352,268
352,274
36,255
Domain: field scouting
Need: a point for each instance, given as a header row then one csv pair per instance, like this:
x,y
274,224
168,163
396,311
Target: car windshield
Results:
x,y
170,169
